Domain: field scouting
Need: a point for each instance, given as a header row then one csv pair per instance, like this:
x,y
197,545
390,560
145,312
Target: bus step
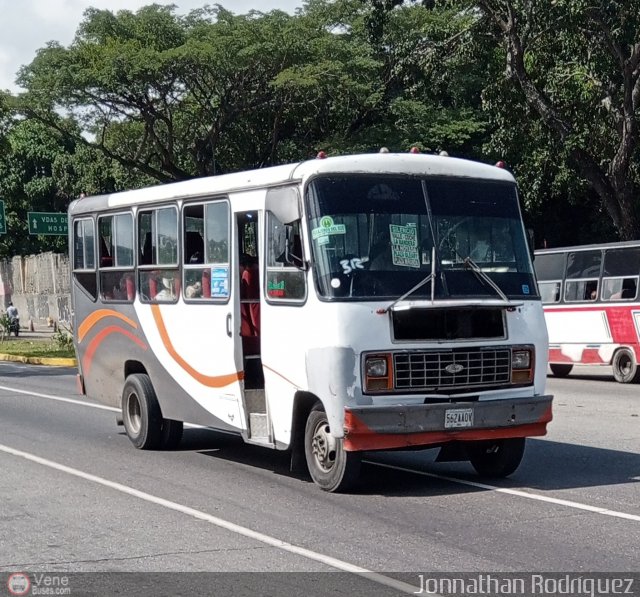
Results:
x,y
259,425
255,401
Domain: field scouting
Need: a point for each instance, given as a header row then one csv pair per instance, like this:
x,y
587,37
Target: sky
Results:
x,y
27,25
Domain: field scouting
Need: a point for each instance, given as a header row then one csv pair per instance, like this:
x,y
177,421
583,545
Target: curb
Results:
x,y
51,361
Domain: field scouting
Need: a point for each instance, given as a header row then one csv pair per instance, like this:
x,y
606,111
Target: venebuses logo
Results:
x,y
18,583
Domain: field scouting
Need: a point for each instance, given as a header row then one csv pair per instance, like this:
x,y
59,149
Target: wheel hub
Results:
x,y
133,413
323,447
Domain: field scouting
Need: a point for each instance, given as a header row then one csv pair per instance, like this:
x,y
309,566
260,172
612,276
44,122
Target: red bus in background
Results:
x,y
591,306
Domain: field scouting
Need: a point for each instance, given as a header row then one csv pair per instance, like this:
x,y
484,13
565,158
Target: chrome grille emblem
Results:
x,y
454,368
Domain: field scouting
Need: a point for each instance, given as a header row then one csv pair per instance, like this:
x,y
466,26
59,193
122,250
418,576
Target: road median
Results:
x,y
33,360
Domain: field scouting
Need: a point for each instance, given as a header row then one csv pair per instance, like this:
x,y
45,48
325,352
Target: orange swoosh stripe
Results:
x,y
96,316
97,340
218,381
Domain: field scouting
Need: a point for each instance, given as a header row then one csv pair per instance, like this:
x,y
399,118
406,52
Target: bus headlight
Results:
x,y
378,373
376,367
522,365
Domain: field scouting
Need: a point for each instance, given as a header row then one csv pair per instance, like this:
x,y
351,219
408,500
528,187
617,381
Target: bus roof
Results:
x,y
615,245
375,163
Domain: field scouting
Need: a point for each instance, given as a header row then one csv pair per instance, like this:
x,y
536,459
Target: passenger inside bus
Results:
x,y
591,290
250,304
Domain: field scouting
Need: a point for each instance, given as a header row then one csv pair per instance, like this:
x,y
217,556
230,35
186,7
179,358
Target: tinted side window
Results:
x,y
622,262
206,257
84,257
584,264
550,266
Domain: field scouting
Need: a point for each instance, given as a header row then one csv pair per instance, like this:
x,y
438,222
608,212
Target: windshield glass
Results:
x,y
373,237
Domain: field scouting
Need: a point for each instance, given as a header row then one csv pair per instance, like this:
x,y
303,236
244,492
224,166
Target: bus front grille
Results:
x,y
452,369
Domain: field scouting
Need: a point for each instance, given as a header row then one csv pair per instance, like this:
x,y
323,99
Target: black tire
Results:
x,y
330,466
141,413
496,458
16,331
625,366
171,434
560,370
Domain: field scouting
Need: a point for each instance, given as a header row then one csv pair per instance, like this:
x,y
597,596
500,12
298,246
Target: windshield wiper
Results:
x,y
484,278
431,277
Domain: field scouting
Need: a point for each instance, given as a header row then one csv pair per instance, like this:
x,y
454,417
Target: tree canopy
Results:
x,y
550,86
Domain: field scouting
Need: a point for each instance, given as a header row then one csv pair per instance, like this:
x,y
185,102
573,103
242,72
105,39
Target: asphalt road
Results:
x,y
77,497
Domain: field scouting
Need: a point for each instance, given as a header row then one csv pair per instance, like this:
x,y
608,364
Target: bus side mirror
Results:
x,y
284,204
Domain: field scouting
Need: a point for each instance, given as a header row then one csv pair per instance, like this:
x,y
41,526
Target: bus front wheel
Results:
x,y
560,370
141,414
625,367
496,458
330,465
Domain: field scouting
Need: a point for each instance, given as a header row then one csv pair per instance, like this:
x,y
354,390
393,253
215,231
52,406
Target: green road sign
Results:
x,y
3,221
41,222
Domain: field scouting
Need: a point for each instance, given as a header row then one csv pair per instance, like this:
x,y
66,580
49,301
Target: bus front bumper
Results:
x,y
406,426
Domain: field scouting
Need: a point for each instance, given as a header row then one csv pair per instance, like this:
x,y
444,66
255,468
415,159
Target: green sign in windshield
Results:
x,y
41,222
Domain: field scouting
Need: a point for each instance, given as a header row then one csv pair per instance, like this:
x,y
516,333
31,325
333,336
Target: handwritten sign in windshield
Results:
x,y
404,245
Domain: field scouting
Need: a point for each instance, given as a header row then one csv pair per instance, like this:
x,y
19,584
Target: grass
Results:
x,y
35,348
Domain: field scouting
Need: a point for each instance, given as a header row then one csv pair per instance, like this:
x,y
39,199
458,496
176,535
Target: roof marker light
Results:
x,y
321,155
384,150
500,164
414,149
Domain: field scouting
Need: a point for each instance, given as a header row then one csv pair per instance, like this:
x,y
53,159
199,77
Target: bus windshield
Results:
x,y
375,237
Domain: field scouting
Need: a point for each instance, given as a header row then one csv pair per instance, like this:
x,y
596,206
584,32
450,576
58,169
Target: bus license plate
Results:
x,y
458,417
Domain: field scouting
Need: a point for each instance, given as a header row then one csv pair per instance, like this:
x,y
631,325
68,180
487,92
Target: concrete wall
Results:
x,y
38,285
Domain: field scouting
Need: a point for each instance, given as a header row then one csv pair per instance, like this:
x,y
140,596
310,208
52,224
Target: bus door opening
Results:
x,y
250,299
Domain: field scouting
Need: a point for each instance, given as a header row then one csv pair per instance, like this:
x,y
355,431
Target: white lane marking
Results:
x,y
219,522
60,399
515,492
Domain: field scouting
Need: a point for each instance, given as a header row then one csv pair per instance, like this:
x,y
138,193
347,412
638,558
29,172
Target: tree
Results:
x,y
576,66
27,184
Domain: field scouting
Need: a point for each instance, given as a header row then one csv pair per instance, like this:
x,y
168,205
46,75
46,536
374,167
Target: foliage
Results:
x,y
5,323
569,97
550,86
63,337
35,348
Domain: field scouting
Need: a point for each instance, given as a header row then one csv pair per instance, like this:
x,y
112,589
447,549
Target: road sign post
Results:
x,y
41,222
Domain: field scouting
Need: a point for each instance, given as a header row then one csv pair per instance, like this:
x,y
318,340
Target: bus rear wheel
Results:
x,y
496,458
330,465
560,370
625,367
141,414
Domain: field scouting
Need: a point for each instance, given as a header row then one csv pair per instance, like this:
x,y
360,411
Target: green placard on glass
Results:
x,y
41,222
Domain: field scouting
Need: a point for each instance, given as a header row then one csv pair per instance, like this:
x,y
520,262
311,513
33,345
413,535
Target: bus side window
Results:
x,y
615,289
549,292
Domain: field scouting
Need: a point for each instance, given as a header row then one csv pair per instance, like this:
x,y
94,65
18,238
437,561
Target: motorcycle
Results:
x,y
14,325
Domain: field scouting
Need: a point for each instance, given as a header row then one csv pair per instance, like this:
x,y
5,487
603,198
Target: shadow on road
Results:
x,y
547,466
